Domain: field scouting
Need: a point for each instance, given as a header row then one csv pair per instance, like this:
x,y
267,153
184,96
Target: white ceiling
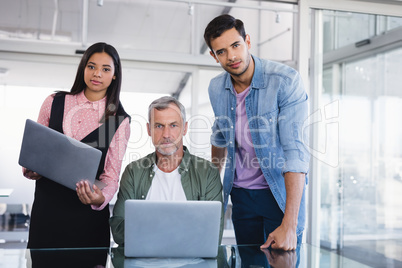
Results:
x,y
39,38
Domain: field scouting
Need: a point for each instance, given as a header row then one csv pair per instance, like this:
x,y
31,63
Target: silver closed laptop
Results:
x,y
172,229
58,157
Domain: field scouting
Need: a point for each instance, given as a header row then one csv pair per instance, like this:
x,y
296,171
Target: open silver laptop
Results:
x,y
57,156
170,229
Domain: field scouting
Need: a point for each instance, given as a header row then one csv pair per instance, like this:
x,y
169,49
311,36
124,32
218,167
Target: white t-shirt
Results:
x,y
166,186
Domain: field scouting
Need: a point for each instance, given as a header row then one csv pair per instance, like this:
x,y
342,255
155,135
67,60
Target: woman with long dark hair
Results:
x,y
92,113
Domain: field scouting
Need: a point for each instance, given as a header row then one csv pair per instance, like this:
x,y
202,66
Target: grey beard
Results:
x,y
162,152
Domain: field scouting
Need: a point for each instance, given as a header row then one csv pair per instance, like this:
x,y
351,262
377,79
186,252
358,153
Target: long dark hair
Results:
x,y
113,91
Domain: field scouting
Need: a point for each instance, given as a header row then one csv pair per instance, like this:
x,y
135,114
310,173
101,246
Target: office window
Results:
x,y
346,28
360,204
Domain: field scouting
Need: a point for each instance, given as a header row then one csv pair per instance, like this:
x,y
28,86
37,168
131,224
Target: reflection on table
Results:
x,y
228,256
306,256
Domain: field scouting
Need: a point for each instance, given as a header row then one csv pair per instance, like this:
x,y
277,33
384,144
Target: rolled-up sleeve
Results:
x,y
293,134
222,123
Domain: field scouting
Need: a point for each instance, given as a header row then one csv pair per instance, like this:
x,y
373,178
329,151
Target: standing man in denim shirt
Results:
x,y
260,107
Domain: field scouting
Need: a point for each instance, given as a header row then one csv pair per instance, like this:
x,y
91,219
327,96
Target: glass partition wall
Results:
x,y
360,178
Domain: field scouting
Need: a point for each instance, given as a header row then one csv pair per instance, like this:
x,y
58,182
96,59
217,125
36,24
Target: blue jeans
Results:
x,y
255,214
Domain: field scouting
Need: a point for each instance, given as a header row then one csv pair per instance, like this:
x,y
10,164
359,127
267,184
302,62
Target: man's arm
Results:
x,y
218,155
125,192
293,111
284,237
214,193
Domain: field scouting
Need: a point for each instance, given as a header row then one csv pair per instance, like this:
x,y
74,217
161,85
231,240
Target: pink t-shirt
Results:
x,y
248,173
81,117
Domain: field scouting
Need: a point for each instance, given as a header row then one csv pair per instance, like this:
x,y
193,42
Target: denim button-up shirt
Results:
x,y
276,108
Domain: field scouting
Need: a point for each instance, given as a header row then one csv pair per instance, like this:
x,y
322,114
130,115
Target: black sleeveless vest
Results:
x,y
58,218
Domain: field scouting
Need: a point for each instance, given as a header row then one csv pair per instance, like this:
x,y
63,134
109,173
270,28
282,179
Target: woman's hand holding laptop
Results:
x,y
30,174
87,196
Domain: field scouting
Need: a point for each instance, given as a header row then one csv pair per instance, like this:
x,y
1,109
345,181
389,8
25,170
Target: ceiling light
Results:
x,y
278,18
190,9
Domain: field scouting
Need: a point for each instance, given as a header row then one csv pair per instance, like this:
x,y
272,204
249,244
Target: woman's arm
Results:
x,y
113,161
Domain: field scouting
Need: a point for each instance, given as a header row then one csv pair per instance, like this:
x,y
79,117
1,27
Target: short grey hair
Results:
x,y
163,103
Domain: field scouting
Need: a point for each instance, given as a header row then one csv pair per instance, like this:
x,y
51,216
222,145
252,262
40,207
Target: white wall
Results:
x,y
16,105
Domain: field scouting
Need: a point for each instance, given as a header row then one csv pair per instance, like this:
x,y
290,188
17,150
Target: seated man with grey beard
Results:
x,y
171,172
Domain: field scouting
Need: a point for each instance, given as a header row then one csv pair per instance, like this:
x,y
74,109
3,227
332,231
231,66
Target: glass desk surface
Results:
x,y
306,256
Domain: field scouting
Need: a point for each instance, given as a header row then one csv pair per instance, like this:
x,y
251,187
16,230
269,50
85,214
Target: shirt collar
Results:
x,y
257,82
96,105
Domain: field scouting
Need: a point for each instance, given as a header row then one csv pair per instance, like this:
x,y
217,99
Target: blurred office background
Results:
x,y
349,53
